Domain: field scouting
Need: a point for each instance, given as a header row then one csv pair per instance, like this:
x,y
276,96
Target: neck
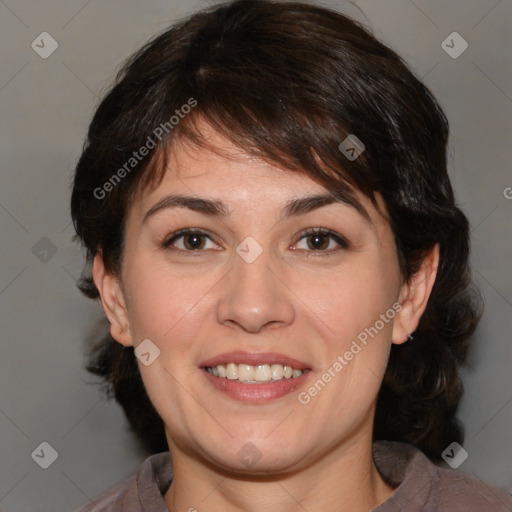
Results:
x,y
344,480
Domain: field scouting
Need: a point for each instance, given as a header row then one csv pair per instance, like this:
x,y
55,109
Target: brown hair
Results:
x,y
288,82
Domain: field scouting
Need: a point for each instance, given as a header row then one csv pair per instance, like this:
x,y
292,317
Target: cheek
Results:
x,y
352,299
164,303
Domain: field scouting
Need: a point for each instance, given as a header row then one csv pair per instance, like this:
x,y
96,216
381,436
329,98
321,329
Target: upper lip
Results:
x,y
254,359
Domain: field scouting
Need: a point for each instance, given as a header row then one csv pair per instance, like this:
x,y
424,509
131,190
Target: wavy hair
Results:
x,y
288,82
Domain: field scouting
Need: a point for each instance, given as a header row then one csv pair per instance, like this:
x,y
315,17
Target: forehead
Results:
x,y
219,170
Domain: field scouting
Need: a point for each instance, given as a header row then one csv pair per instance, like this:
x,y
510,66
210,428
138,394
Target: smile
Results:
x,y
254,374
255,377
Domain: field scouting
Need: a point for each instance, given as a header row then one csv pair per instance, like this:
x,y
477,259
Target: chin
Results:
x,y
259,456
250,461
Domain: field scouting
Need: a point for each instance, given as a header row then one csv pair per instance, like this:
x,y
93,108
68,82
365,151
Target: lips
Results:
x,y
289,374
254,359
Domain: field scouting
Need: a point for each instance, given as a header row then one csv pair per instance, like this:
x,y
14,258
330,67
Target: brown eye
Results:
x,y
194,241
190,240
318,241
321,240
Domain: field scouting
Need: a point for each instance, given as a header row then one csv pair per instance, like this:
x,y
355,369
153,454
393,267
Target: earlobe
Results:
x,y
414,297
112,301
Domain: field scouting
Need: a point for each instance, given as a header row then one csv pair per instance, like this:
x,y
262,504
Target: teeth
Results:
x,y
245,372
231,371
276,371
254,374
262,373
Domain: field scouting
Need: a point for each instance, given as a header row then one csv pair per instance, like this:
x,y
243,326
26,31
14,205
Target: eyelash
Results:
x,y
341,241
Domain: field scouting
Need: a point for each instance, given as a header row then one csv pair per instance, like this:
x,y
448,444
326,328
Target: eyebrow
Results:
x,y
306,204
292,208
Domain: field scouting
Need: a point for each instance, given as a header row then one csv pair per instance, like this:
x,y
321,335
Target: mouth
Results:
x,y
253,377
251,374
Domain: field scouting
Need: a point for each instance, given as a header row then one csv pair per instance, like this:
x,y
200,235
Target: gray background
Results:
x,y
45,106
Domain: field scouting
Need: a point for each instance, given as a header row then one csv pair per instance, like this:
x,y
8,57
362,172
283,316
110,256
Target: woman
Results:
x,y
274,238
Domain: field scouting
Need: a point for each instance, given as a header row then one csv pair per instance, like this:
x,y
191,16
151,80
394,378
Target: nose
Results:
x,y
254,296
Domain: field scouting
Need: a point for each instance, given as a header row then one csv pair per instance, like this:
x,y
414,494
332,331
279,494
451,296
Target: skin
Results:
x,y
306,303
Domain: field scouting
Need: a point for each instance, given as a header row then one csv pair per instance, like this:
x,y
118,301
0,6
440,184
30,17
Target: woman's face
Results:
x,y
264,278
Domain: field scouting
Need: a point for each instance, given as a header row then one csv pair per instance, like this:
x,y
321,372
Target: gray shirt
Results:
x,y
420,486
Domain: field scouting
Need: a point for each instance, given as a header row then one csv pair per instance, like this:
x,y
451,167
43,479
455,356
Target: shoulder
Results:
x,y
468,493
143,491
420,485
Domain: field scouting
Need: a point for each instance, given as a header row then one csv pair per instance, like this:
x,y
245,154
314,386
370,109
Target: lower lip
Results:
x,y
255,393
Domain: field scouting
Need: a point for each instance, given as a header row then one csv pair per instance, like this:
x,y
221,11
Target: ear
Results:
x,y
414,296
112,301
